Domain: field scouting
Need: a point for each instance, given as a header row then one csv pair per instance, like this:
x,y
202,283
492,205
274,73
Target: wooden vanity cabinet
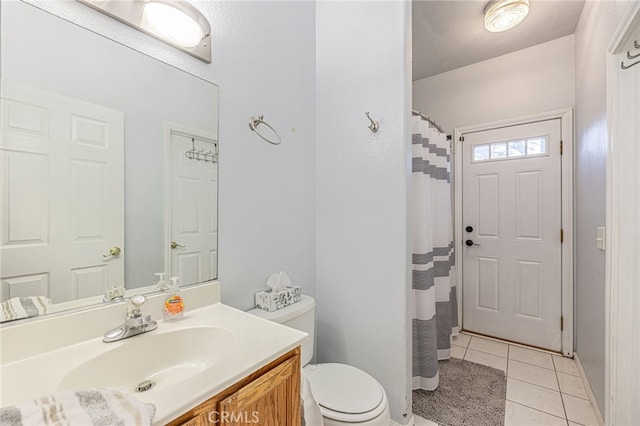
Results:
x,y
268,397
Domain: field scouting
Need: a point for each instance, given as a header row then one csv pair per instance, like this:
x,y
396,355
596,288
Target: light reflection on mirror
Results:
x,y
93,136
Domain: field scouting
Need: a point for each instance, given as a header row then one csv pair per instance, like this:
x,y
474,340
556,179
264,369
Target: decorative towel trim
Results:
x,y
84,407
24,307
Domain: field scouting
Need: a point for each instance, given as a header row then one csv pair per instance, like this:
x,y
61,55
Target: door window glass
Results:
x,y
533,147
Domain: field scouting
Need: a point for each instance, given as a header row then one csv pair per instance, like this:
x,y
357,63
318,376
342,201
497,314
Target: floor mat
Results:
x,y
469,394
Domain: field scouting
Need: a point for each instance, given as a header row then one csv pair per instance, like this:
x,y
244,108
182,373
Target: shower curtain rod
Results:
x,y
433,123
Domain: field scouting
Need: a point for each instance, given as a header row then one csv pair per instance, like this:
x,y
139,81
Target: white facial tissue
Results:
x,y
278,282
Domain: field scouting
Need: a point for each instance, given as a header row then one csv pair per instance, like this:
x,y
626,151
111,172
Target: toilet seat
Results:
x,y
345,393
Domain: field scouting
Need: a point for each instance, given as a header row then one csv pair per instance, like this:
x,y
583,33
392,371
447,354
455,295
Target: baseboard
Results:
x,y
587,387
412,422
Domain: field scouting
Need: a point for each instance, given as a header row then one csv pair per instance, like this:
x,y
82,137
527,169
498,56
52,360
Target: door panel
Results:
x,y
488,288
194,221
528,205
512,199
488,205
62,182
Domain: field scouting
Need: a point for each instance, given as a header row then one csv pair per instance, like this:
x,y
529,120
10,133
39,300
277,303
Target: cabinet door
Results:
x,y
272,399
197,421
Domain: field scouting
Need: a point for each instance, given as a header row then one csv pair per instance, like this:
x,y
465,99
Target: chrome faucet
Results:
x,y
135,323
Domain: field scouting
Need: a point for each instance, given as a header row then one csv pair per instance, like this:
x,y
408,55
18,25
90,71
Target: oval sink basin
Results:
x,y
164,358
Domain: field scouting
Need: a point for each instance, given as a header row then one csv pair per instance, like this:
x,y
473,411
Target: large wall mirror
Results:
x,y
109,165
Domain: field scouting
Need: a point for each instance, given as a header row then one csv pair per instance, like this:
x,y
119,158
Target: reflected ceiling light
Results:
x,y
502,15
175,22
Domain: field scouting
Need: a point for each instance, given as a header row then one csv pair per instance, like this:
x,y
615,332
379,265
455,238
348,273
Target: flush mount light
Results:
x,y
502,15
175,22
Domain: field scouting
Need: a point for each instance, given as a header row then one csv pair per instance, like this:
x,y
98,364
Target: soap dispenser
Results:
x,y
174,304
162,285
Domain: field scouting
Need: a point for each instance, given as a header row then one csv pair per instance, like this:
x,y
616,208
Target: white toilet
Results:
x,y
345,394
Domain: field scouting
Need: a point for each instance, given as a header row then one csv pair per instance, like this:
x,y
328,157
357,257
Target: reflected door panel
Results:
x,y
62,195
194,201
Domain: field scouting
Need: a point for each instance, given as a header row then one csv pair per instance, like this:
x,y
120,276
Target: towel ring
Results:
x,y
255,122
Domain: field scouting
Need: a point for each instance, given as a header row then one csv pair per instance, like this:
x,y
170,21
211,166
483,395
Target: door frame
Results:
x,y
565,116
621,166
169,128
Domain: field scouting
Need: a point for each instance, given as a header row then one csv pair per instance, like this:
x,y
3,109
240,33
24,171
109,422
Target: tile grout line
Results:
x,y
539,411
573,394
534,365
566,416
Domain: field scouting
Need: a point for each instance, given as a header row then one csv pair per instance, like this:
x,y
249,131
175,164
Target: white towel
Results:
x,y
84,407
310,408
24,307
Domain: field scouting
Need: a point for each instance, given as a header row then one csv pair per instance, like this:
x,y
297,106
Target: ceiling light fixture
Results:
x,y
502,15
175,22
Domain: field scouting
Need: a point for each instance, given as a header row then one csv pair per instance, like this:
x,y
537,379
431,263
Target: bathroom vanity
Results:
x,y
270,395
217,365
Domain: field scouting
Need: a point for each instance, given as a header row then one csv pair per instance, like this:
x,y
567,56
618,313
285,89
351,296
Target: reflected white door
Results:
x,y
194,211
62,186
512,215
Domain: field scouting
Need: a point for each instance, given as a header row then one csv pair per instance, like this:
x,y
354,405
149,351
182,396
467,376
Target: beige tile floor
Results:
x,y
543,389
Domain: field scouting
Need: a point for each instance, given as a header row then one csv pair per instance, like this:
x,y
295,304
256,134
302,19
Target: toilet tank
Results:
x,y
300,316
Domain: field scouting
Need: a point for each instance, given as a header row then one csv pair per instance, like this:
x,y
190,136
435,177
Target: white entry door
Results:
x,y
193,233
512,233
62,185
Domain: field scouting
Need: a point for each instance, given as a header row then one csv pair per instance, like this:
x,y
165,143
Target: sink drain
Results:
x,y
144,386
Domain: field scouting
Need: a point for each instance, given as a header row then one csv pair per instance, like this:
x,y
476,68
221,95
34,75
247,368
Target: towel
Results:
x,y
311,415
85,407
24,307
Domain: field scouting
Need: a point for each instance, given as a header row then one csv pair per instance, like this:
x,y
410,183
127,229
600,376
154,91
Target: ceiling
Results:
x,y
451,34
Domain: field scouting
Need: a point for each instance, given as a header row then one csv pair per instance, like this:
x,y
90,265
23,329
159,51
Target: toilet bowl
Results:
x,y
345,394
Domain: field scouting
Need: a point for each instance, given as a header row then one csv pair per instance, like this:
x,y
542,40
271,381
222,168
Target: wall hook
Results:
x,y
374,126
626,67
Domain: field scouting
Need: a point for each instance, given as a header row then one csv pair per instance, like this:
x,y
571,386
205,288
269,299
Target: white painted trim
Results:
x,y
587,388
566,119
616,202
169,128
410,423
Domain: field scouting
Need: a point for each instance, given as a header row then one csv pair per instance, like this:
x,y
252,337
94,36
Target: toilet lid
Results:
x,y
344,388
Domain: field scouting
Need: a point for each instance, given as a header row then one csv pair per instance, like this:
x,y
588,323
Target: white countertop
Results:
x,y
255,343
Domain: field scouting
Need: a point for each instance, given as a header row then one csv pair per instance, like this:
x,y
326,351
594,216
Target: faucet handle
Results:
x,y
136,305
138,300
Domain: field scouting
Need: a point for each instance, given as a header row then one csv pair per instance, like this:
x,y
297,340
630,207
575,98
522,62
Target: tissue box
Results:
x,y
270,301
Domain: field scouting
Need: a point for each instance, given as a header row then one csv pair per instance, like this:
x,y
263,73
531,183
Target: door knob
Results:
x,y
175,245
469,229
471,243
113,252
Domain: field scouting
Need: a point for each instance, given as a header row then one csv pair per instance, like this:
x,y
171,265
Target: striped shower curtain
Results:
x,y
434,307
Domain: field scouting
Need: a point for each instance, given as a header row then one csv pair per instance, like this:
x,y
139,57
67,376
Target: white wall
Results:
x,y
597,24
264,63
362,185
529,81
265,59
